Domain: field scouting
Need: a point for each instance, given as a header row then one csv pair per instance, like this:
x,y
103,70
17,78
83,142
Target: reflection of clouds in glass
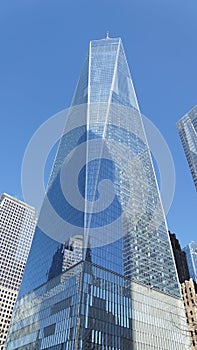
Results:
x,y
124,187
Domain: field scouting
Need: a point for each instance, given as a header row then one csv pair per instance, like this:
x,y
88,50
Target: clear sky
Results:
x,y
43,46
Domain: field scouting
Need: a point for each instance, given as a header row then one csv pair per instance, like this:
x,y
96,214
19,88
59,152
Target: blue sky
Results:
x,y
43,46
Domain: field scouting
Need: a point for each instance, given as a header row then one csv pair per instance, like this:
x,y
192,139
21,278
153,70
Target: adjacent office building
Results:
x,y
189,293
191,254
17,225
180,259
187,128
188,289
121,290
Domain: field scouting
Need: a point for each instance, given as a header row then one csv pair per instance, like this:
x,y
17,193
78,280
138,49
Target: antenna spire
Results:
x,y
107,36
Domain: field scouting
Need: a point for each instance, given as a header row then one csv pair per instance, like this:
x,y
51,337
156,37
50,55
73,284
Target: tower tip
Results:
x,y
107,35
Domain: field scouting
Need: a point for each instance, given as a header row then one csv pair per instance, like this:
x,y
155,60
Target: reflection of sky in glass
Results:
x,y
187,127
191,253
141,250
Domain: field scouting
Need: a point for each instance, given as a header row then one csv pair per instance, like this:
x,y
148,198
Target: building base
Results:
x,y
88,307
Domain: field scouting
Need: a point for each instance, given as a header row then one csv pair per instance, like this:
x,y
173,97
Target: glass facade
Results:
x,y
89,307
101,274
191,255
187,128
122,225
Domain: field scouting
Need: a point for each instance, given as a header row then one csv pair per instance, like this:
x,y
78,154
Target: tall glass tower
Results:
x,y
187,128
191,254
104,142
103,191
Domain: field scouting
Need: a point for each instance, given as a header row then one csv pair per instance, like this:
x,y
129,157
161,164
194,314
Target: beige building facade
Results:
x,y
189,290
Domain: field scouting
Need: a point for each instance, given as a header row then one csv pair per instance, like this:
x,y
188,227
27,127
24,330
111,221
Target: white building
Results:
x,y
17,225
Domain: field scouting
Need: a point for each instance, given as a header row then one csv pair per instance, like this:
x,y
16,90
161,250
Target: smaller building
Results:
x,y
184,264
189,293
180,259
187,128
17,224
191,254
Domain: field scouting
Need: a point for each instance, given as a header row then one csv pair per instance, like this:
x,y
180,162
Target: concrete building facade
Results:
x,y
17,224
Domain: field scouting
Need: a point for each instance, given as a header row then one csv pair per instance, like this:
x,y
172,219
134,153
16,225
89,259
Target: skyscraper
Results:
x,y
17,225
102,189
180,259
191,254
187,128
188,289
105,137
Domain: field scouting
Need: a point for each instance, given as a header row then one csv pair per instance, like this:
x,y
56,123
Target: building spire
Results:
x,y
107,36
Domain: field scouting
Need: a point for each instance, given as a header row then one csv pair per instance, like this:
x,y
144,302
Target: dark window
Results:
x,y
49,330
